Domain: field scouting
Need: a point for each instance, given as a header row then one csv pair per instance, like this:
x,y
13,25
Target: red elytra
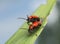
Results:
x,y
32,17
34,25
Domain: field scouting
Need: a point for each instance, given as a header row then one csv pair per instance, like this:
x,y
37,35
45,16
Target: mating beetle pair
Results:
x,y
36,22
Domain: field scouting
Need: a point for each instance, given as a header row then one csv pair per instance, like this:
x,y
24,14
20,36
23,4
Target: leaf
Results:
x,y
23,36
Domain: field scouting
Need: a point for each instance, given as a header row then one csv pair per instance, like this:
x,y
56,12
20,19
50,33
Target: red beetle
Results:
x,y
32,18
34,26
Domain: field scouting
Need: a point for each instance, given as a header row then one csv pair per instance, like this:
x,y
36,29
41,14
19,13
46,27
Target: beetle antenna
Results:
x,y
23,28
22,18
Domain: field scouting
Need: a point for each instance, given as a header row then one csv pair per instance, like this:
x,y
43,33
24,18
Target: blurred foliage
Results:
x,y
51,34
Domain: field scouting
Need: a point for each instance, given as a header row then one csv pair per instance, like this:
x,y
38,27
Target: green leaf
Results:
x,y
23,36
